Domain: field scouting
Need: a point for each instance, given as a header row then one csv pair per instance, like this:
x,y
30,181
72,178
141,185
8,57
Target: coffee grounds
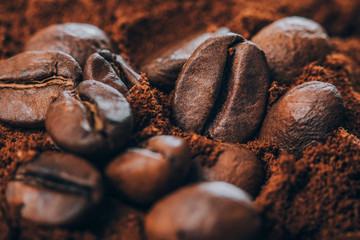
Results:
x,y
315,197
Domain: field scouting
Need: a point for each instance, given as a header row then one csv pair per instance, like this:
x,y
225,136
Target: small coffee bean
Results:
x,y
289,44
211,211
222,90
30,80
92,120
76,39
55,189
306,114
145,174
163,68
238,166
111,69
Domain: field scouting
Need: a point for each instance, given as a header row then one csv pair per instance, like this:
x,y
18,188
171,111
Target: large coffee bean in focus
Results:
x,y
30,80
204,211
55,189
289,44
111,69
93,120
79,40
222,90
306,114
236,165
145,174
163,68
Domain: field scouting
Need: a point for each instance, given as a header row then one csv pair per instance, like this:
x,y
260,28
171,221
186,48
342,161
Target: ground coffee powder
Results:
x,y
313,197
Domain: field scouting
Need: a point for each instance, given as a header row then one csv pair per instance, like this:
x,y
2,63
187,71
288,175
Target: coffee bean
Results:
x,y
238,166
306,114
214,210
55,189
111,69
76,39
163,68
29,81
92,120
145,174
222,89
289,44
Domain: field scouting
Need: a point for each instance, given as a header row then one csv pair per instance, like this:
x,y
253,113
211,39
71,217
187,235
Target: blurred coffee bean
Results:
x,y
238,166
145,174
55,189
30,80
204,211
111,69
289,44
306,114
222,89
76,39
163,68
92,120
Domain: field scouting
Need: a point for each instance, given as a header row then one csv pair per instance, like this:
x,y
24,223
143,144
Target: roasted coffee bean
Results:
x,y
111,69
211,211
238,166
76,39
163,68
289,44
145,174
30,80
222,89
55,189
306,114
92,120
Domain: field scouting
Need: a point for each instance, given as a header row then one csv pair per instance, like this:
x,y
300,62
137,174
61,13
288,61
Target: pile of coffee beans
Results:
x,y
71,82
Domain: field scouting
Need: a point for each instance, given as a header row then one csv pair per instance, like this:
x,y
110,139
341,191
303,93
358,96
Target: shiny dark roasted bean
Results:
x,y
163,68
305,115
28,83
111,69
76,39
204,211
145,174
222,89
55,189
91,120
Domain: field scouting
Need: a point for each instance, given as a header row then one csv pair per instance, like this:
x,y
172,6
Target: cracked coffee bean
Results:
x,y
55,189
145,174
222,89
28,83
92,120
164,67
76,39
238,166
204,211
306,114
289,44
111,69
